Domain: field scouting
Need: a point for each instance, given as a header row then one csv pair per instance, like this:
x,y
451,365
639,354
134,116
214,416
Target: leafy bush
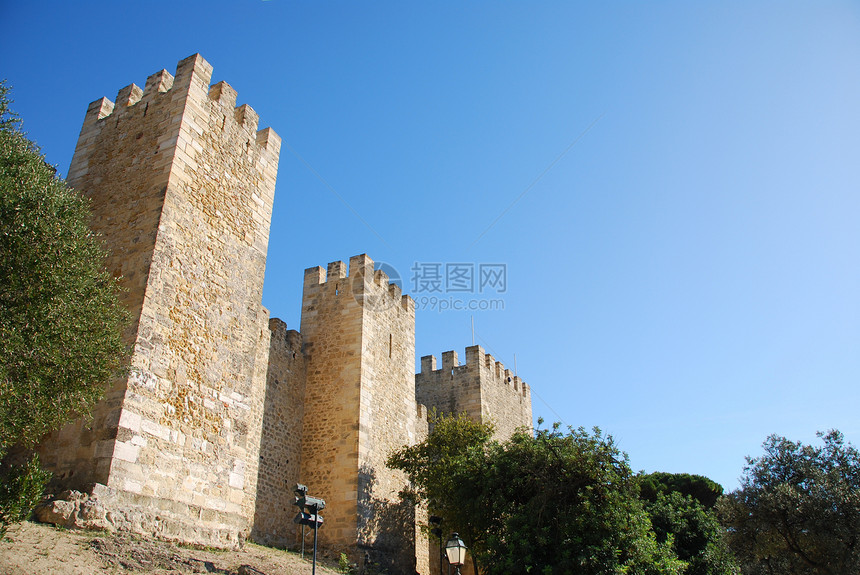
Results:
x,y
21,488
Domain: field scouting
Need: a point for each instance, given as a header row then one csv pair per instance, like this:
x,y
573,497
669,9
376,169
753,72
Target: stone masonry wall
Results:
x,y
182,185
482,388
389,414
119,164
281,443
223,409
331,325
359,334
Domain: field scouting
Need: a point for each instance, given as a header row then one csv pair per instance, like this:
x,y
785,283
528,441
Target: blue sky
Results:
x,y
672,186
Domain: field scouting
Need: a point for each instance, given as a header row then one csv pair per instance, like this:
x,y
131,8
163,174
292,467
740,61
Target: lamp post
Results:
x,y
456,550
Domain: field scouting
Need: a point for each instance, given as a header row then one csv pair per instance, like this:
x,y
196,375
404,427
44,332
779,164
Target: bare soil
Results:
x,y
31,548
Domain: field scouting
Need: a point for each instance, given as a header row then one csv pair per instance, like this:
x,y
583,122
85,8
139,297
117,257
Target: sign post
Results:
x,y
309,508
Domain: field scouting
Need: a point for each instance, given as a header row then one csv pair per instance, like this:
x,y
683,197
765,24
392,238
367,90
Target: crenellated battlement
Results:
x,y
359,279
181,134
482,388
187,74
359,266
191,82
476,360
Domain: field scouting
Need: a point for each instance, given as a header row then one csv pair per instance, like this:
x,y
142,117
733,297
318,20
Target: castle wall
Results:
x,y
482,388
281,443
389,414
359,335
223,410
118,163
331,323
182,185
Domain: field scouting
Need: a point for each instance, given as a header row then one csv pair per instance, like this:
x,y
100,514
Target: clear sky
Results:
x,y
672,187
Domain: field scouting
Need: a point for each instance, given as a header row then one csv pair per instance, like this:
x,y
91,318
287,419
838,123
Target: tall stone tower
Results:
x,y
182,186
482,388
359,340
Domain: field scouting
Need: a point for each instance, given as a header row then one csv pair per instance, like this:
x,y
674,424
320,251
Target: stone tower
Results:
x,y
359,341
483,389
182,186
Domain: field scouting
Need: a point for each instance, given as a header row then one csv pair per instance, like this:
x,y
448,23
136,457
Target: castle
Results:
x,y
205,437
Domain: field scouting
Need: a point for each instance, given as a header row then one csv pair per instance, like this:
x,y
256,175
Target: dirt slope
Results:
x,y
32,548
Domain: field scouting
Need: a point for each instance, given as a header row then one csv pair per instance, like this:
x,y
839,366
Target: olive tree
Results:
x,y
798,509
60,319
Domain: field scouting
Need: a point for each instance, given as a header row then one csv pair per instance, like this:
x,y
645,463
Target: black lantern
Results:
x,y
456,550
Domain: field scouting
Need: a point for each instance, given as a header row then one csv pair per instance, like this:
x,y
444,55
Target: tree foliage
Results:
x,y
567,503
60,319
798,509
700,488
694,531
445,472
548,503
681,509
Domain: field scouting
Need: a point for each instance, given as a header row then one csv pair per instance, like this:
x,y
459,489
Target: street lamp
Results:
x,y
456,550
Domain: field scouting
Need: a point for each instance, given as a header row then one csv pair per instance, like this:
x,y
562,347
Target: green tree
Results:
x,y
700,488
60,320
694,531
681,509
798,509
445,471
548,503
567,503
